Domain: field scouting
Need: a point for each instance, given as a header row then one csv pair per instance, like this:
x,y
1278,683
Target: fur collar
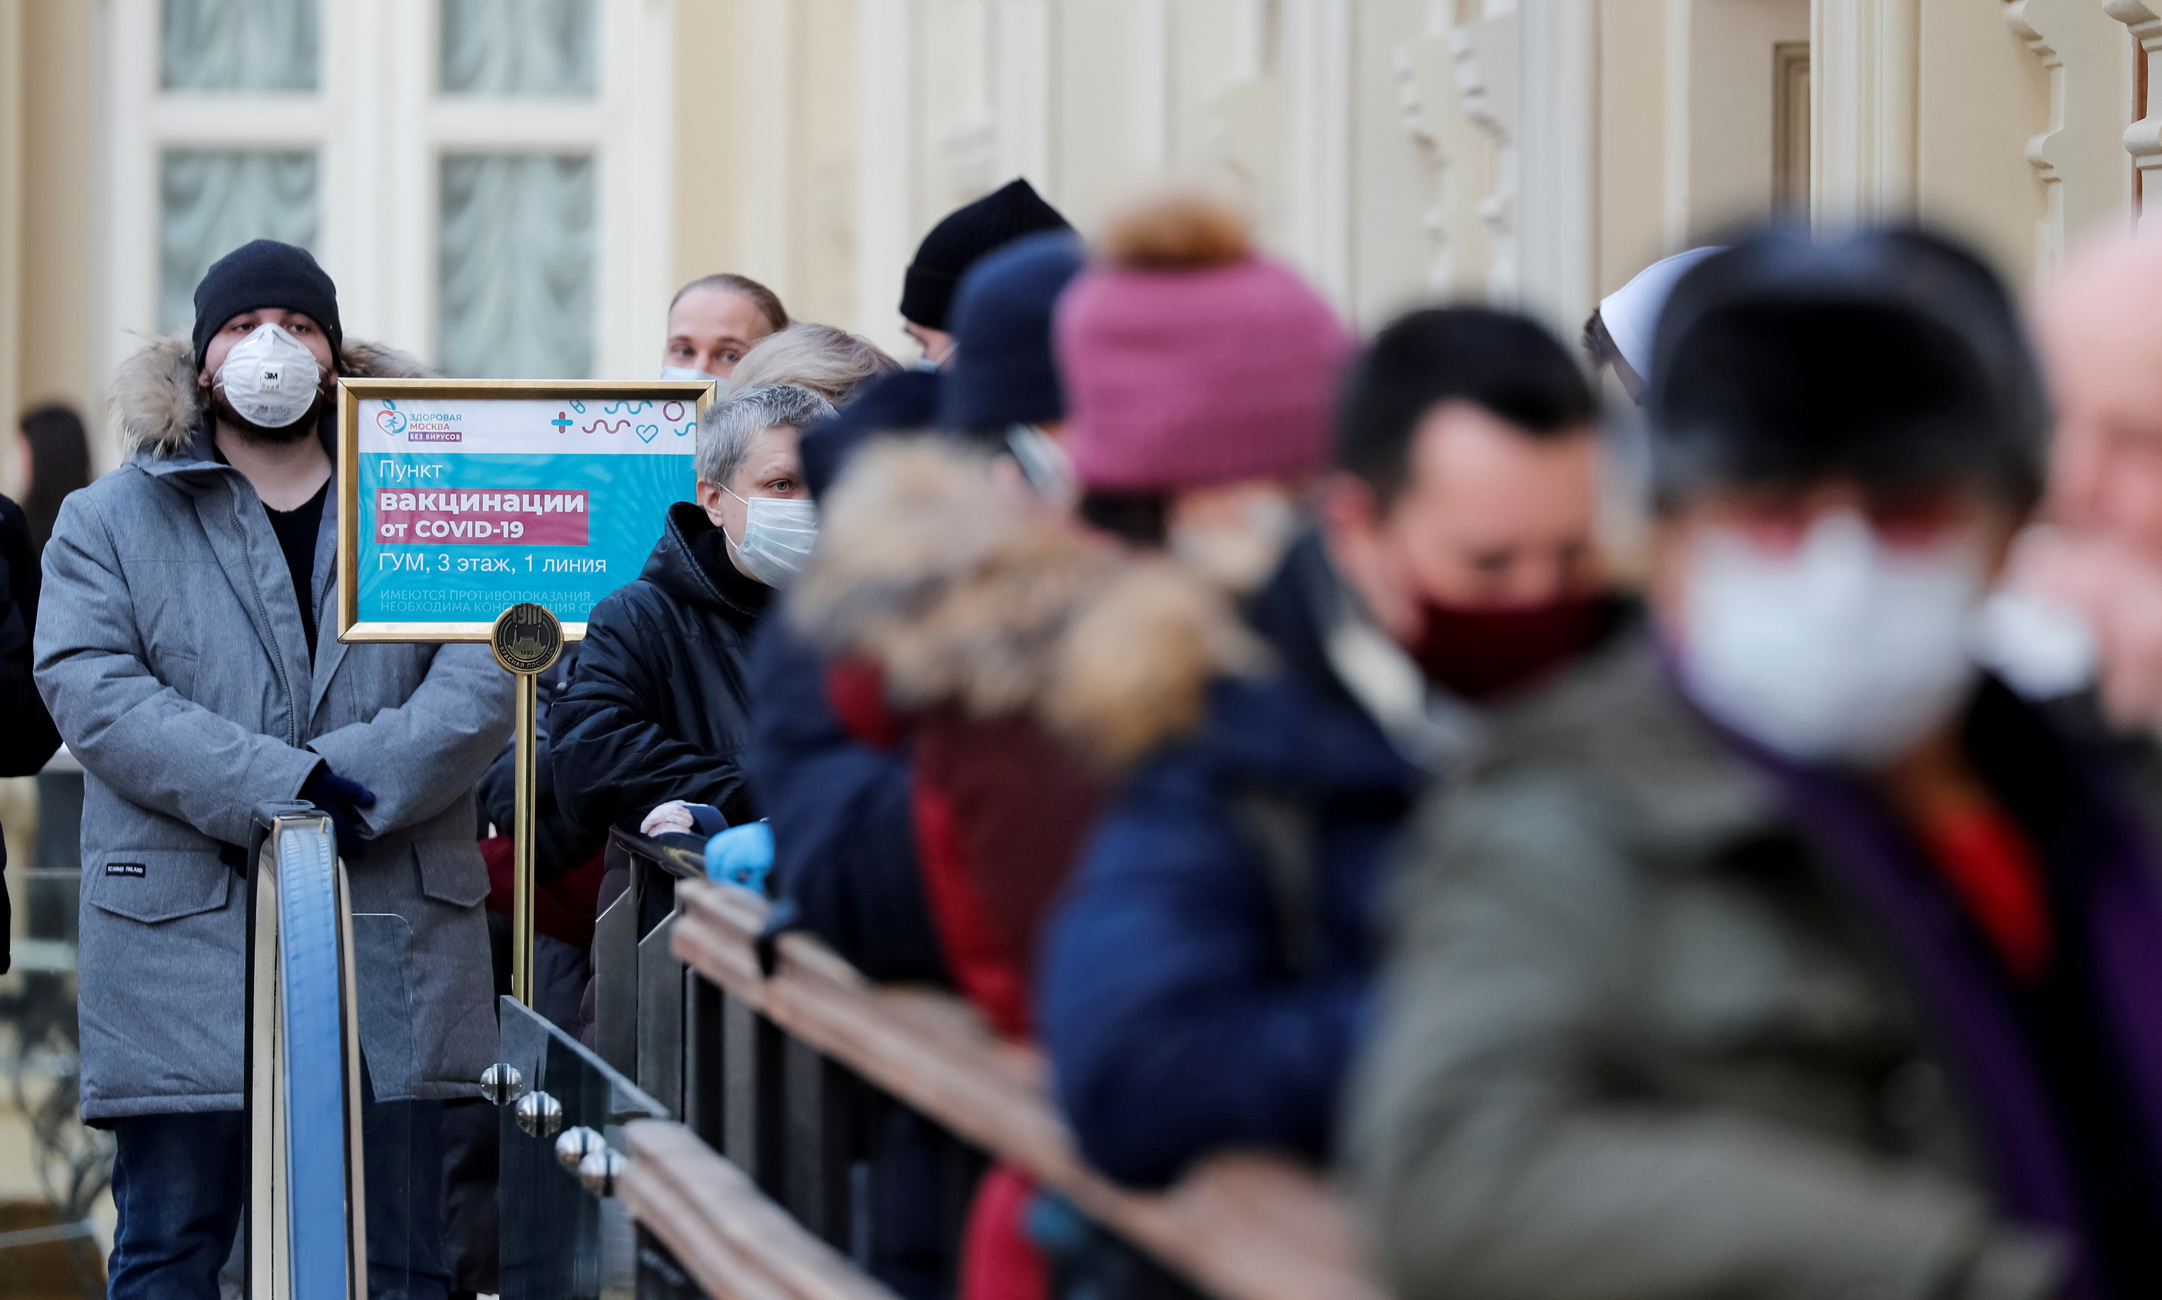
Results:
x,y
153,393
964,590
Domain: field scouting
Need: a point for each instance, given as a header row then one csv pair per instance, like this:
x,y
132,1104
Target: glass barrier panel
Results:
x,y
564,1235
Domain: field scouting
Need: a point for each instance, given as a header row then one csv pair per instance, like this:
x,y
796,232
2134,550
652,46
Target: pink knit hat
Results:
x,y
1182,375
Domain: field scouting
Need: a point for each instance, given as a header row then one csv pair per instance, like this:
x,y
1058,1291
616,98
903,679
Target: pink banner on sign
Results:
x,y
454,517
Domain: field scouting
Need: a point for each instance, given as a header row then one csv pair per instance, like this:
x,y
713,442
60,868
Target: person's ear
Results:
x,y
709,500
1348,506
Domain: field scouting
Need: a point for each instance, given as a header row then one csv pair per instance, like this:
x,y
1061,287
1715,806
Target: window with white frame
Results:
x,y
485,180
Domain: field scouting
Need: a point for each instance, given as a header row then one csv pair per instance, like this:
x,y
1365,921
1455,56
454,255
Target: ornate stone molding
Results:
x,y
1426,92
2038,22
1488,55
2143,139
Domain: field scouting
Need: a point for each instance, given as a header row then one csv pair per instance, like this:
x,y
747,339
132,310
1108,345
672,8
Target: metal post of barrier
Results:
x,y
307,1227
526,640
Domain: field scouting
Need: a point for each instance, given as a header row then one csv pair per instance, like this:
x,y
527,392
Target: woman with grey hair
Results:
x,y
659,711
830,362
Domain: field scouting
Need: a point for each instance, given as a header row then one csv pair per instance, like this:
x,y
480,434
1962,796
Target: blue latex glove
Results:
x,y
741,856
342,801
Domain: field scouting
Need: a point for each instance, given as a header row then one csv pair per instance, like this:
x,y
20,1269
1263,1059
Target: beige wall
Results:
x,y
813,142
48,82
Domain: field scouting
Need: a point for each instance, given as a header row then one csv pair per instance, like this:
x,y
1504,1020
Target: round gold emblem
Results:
x,y
527,638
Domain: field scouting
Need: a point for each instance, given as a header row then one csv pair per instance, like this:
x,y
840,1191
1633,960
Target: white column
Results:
x,y
1026,84
1864,77
885,163
1559,157
1318,53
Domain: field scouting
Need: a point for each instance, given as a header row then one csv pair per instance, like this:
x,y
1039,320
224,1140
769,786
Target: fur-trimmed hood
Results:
x,y
965,590
153,395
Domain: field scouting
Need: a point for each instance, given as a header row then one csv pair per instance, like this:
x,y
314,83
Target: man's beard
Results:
x,y
222,411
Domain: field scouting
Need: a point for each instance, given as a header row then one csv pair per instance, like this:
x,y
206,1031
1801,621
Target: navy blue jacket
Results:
x,y
844,845
1175,1021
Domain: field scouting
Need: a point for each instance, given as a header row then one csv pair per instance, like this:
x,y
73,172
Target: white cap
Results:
x,y
1631,313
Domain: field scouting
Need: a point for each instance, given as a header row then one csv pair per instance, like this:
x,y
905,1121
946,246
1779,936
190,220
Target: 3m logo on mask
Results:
x,y
254,377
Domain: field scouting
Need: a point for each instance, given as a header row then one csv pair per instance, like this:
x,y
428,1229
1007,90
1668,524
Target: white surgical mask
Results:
x,y
689,375
1843,651
270,377
778,533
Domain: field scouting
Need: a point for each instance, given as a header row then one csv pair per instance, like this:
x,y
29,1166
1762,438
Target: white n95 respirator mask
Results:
x,y
270,377
778,534
1843,650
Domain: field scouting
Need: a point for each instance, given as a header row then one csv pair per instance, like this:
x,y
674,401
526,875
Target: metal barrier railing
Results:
x,y
794,1078
306,1225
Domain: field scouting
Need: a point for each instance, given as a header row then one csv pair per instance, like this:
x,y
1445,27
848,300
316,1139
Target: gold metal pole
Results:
x,y
521,890
526,640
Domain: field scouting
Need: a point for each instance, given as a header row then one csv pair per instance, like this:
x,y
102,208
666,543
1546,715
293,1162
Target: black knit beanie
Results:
x,y
261,274
966,234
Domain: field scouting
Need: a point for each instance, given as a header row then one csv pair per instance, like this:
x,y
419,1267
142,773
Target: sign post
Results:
x,y
502,511
526,641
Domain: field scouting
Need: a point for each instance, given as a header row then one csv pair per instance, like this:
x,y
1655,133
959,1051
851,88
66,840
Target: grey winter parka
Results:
x,y
171,655
1635,1046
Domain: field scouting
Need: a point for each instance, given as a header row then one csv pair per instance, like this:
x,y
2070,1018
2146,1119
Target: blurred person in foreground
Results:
x,y
1207,980
650,733
713,322
2098,551
939,600
187,647
832,363
844,845
1786,954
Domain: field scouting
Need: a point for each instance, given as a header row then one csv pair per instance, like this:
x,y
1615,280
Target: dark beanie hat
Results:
x,y
966,234
900,401
1892,357
1003,372
261,274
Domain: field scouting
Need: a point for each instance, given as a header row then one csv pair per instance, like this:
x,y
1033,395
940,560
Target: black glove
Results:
x,y
342,800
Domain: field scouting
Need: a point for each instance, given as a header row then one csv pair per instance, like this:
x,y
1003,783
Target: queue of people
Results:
x,y
1255,720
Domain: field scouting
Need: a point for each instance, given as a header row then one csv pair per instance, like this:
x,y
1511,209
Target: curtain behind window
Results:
x,y
211,201
237,45
515,246
518,47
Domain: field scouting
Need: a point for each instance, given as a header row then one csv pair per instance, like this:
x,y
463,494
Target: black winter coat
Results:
x,y
660,705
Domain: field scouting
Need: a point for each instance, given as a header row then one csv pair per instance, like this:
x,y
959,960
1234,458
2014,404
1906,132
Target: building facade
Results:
x,y
515,187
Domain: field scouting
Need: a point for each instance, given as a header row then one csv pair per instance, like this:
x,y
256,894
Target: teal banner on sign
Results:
x,y
458,506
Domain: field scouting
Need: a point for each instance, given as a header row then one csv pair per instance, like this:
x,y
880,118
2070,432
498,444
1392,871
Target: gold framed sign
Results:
x,y
461,497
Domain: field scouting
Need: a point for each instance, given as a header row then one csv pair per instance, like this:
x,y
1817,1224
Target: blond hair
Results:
x,y
830,362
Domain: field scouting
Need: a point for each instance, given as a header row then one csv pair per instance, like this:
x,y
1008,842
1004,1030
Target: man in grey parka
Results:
x,y
189,655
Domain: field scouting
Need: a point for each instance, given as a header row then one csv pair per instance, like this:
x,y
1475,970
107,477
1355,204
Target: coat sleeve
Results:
x,y
844,841
128,727
421,755
27,734
1171,1031
614,762
1497,1161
